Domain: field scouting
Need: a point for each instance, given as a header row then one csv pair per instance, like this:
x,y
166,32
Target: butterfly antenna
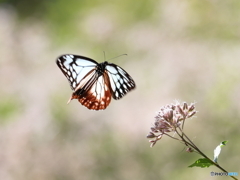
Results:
x,y
104,54
118,56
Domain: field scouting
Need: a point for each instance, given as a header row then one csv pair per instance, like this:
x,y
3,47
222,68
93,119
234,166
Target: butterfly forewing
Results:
x,y
121,82
75,68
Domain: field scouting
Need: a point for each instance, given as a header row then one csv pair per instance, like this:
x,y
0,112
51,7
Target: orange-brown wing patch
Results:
x,y
98,96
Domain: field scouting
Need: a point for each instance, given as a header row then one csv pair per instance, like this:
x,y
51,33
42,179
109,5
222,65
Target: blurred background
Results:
x,y
177,50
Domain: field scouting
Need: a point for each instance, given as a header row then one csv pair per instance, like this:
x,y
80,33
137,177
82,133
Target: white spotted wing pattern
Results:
x,y
93,83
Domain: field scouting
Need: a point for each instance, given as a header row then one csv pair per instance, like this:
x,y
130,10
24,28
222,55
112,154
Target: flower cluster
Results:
x,y
169,119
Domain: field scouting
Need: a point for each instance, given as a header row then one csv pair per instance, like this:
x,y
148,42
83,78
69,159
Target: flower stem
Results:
x,y
189,142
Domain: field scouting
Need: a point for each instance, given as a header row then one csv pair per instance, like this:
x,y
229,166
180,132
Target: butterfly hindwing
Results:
x,y
98,96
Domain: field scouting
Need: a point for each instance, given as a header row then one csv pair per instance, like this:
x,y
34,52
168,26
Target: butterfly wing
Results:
x,y
121,82
76,69
98,97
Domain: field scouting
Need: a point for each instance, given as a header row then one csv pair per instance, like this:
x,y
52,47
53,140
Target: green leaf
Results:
x,y
202,162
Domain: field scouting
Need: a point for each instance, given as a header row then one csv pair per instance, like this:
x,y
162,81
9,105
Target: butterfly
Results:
x,y
93,83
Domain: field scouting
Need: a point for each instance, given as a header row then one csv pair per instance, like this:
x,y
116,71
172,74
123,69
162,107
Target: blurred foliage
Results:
x,y
64,17
62,11
117,158
216,19
26,8
8,108
67,128
221,88
212,19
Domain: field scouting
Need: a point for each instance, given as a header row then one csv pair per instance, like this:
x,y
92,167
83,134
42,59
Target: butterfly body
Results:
x,y
94,83
101,67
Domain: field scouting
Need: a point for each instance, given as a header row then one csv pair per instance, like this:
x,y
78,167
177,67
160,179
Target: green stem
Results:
x,y
189,142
